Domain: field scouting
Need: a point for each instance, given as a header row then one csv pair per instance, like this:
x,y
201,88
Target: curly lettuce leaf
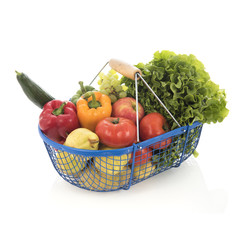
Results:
x,y
183,85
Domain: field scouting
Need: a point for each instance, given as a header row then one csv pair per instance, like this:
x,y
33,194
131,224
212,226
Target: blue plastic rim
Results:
x,y
110,170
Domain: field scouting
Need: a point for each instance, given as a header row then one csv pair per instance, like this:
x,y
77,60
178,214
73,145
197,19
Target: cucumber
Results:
x,y
34,92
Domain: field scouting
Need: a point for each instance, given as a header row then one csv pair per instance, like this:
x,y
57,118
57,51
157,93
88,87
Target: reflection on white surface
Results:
x,y
178,189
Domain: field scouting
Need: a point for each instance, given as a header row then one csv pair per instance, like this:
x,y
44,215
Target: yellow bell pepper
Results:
x,y
94,109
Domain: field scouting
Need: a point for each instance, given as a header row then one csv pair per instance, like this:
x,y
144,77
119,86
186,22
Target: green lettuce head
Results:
x,y
183,85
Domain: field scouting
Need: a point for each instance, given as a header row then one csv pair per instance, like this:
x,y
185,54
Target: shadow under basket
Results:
x,y
110,170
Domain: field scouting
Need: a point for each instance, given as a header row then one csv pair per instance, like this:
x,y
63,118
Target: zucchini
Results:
x,y
34,92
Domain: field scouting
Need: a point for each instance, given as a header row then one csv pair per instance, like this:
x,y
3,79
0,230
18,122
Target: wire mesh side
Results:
x,y
67,164
100,173
93,179
165,154
192,141
109,173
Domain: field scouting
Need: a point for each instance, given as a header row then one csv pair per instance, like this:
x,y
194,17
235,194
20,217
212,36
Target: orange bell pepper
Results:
x,y
95,108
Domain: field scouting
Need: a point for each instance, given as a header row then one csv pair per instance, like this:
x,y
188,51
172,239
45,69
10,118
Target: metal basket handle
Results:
x,y
135,74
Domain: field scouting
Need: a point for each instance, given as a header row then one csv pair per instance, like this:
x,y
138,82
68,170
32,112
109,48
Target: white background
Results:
x,y
58,43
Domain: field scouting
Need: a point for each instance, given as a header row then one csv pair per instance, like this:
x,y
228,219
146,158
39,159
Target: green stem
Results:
x,y
87,95
134,106
82,87
93,103
18,73
115,121
60,110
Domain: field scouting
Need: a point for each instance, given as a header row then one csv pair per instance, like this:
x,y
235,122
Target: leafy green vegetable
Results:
x,y
183,85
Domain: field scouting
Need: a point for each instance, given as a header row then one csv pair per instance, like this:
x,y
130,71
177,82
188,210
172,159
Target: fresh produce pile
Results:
x,y
105,119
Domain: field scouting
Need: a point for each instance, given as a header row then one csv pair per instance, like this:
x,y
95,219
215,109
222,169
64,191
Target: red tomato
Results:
x,y
152,125
142,156
116,132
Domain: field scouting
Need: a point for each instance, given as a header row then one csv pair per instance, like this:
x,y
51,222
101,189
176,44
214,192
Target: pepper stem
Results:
x,y
60,110
83,89
93,103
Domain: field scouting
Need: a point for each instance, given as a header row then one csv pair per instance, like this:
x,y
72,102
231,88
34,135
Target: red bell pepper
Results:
x,y
58,119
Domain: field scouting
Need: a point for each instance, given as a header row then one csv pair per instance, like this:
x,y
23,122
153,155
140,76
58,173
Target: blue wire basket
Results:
x,y
109,170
